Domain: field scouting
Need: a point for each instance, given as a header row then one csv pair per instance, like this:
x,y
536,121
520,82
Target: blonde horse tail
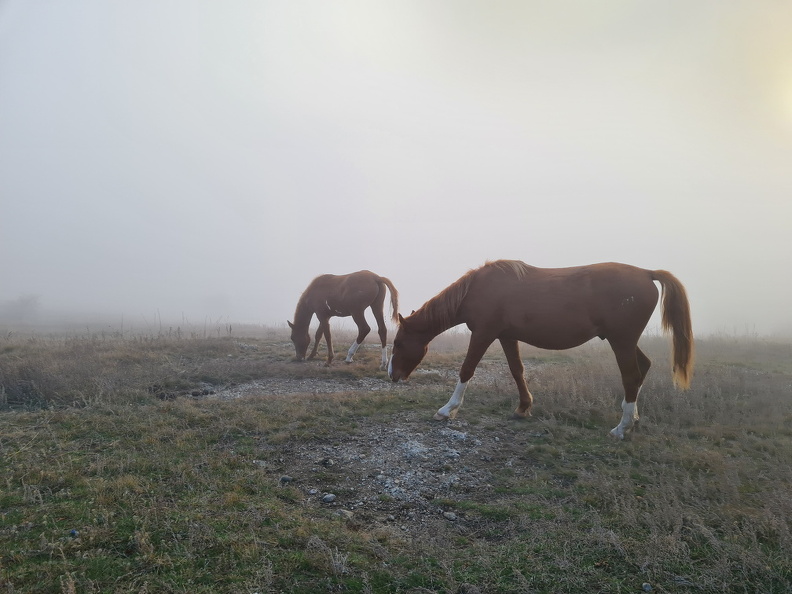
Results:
x,y
394,297
676,319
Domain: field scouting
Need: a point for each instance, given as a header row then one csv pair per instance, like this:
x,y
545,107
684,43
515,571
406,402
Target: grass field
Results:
x,y
124,469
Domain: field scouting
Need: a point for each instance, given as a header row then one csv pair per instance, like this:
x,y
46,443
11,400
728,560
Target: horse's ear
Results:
x,y
290,324
401,319
413,311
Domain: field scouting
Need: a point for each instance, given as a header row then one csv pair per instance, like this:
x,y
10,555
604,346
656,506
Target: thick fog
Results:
x,y
192,161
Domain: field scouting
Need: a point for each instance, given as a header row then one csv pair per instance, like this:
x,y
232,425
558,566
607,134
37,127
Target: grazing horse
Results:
x,y
345,295
551,308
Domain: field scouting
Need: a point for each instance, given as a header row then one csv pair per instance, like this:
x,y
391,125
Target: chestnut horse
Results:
x,y
551,308
332,295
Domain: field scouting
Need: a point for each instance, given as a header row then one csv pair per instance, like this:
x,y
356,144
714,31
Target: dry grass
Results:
x,y
114,481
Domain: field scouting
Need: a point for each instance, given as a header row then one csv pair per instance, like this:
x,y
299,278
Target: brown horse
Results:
x,y
331,295
551,308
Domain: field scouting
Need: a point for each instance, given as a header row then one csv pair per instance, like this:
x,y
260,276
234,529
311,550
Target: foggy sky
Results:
x,y
194,160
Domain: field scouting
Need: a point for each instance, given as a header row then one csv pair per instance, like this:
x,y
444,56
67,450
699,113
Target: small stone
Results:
x,y
646,587
328,498
451,516
312,491
346,514
285,479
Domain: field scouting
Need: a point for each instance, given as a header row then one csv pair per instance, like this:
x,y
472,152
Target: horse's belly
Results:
x,y
553,336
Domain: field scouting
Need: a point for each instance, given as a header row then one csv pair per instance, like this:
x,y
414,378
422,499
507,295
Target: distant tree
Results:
x,y
21,309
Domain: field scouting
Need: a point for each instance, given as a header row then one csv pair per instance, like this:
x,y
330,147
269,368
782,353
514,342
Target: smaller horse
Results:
x,y
345,295
551,308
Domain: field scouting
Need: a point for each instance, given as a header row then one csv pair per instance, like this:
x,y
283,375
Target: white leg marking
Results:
x,y
449,411
352,350
385,362
390,367
629,414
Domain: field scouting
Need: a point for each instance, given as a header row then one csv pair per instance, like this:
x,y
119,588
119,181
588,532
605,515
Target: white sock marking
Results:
x,y
451,407
629,417
352,350
385,362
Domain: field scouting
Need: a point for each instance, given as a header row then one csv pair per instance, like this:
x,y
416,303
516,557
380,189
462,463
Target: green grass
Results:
x,y
107,487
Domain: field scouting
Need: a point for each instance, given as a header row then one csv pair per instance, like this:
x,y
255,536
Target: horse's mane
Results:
x,y
304,309
440,311
516,267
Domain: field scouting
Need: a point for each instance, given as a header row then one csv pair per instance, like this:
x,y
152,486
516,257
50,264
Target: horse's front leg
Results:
x,y
511,348
476,349
329,340
317,338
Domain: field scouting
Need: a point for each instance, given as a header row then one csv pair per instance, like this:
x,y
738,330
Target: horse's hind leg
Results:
x,y
633,365
512,350
382,329
363,330
643,365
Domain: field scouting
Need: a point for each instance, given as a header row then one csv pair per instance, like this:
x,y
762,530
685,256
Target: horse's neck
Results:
x,y
441,312
433,325
303,314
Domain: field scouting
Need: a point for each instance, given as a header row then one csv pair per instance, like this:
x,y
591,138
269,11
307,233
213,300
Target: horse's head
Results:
x,y
409,348
301,339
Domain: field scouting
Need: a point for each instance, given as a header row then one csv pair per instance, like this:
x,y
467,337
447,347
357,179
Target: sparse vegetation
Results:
x,y
121,472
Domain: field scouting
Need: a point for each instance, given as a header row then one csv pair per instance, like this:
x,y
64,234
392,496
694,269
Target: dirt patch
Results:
x,y
404,471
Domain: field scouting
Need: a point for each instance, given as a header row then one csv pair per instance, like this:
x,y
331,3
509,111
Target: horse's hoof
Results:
x,y
520,417
439,417
615,435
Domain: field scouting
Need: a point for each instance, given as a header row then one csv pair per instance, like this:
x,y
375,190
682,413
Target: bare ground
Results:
x,y
394,471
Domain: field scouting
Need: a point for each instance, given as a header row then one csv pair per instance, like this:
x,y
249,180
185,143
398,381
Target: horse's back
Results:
x,y
343,293
562,307
328,281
